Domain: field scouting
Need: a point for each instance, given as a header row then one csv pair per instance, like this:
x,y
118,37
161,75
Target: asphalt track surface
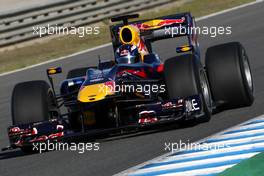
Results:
x,y
120,153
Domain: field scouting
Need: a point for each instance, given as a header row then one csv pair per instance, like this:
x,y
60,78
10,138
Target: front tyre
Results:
x,y
32,102
185,76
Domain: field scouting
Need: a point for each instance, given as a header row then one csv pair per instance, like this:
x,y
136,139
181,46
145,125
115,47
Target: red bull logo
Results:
x,y
158,23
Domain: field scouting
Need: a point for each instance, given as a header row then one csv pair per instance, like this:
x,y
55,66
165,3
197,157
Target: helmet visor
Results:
x,y
127,59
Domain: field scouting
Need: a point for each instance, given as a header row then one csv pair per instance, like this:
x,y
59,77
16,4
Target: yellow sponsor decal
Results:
x,y
52,71
153,24
184,49
94,92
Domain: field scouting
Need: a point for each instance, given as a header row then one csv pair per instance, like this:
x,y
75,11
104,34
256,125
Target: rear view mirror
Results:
x,y
54,70
183,49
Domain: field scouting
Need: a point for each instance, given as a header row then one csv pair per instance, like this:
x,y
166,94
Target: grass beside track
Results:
x,y
45,49
249,167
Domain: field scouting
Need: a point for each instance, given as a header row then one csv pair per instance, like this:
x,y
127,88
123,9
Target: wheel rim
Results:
x,y
116,115
205,89
247,70
51,104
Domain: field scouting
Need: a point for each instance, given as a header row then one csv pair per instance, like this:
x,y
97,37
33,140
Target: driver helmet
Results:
x,y
127,54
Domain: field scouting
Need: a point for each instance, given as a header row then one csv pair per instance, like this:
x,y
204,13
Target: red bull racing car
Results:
x,y
135,89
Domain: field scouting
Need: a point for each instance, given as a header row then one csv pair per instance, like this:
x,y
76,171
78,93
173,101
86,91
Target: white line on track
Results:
x,y
109,44
254,139
244,134
252,126
58,59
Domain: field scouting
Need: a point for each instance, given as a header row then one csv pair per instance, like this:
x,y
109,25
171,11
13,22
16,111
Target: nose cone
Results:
x,y
96,92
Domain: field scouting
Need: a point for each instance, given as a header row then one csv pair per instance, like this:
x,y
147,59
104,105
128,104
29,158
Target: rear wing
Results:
x,y
164,27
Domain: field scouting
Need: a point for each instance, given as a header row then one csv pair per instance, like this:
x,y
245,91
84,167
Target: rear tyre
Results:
x,y
229,75
185,76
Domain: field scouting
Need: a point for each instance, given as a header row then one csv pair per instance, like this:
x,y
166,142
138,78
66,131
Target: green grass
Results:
x,y
249,167
65,45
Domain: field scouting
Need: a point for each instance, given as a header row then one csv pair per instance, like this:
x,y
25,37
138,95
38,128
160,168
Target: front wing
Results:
x,y
57,130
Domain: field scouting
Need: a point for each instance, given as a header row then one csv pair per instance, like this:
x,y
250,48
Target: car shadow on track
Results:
x,y
14,154
150,130
146,131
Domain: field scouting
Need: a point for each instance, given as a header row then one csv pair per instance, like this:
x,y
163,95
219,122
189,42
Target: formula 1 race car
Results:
x,y
135,89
